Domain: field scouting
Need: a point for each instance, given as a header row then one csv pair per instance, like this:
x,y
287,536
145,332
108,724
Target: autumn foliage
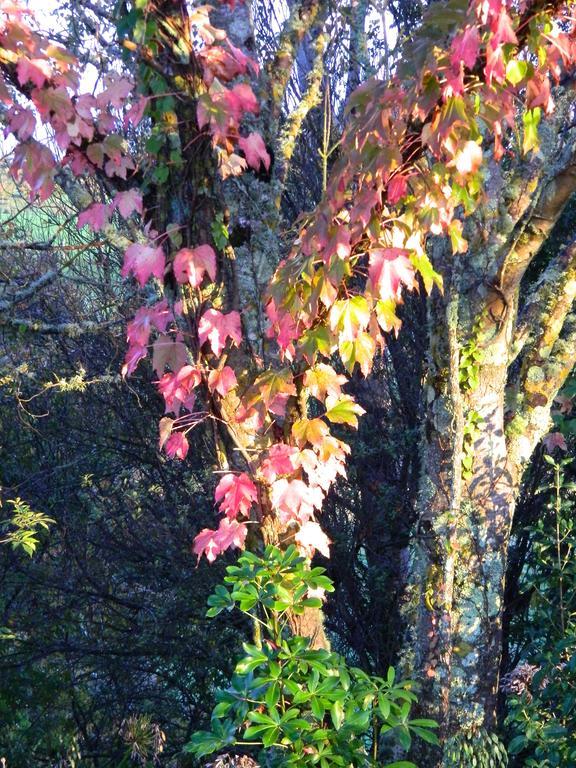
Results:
x,y
413,163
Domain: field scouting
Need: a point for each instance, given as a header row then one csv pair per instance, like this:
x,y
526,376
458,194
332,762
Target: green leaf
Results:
x,y
343,410
337,714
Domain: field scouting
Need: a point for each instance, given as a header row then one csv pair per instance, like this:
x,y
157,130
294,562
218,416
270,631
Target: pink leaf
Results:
x,y
128,202
216,327
144,261
36,71
176,388
35,165
134,354
145,319
310,537
222,380
176,446
389,270
282,460
96,216
294,501
236,494
255,151
22,122
116,91
465,48
230,533
397,188
191,264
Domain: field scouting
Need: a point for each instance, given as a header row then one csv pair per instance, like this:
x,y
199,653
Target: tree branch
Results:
x,y
548,304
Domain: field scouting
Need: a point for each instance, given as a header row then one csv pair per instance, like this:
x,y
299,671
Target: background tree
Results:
x,y
471,470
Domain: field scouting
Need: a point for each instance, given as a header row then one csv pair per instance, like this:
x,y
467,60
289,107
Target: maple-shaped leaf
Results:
x,y
282,460
495,68
128,202
21,122
502,28
96,216
310,537
283,328
397,188
222,380
36,71
322,379
323,472
390,269
177,388
255,151
216,327
361,351
348,317
236,494
337,243
176,446
274,383
231,165
134,354
465,47
343,409
35,165
468,159
294,500
168,352
311,431
117,88
555,440
144,261
191,264
387,317
146,318
230,533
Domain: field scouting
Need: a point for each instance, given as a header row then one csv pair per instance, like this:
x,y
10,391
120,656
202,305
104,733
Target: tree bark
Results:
x,y
497,358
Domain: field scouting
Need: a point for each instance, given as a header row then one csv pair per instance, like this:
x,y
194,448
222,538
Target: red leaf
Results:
x,y
134,354
465,48
96,216
128,202
389,270
36,71
282,460
191,264
236,494
230,533
144,261
255,151
216,327
176,446
397,188
222,380
145,319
